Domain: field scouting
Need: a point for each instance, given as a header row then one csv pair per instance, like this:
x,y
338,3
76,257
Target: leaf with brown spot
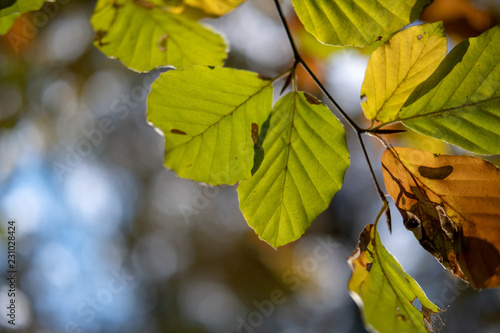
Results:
x,y
207,122
303,167
255,134
439,173
145,35
452,205
384,292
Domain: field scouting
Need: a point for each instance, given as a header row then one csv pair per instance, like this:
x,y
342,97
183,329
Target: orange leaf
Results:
x,y
452,205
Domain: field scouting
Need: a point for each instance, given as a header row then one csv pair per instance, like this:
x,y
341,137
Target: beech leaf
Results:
x,y
460,102
206,115
305,159
384,292
144,35
356,22
452,205
398,66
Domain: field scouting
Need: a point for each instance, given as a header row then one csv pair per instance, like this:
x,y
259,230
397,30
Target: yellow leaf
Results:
x,y
452,205
397,67
216,7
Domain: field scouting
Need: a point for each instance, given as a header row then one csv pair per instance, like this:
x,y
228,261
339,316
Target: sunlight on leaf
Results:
x,y
452,205
460,102
216,7
397,67
206,115
144,36
305,159
356,22
384,292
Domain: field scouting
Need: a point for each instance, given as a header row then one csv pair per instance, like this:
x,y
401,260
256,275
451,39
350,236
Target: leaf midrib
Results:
x,y
289,146
395,289
235,109
442,111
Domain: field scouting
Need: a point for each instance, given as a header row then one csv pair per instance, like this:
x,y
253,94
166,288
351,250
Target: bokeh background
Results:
x,y
108,240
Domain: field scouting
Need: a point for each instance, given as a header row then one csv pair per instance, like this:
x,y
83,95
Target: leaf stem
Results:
x,y
378,128
359,131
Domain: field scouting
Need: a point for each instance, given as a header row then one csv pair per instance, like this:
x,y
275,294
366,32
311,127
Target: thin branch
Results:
x,y
384,131
375,181
330,98
296,54
359,131
299,60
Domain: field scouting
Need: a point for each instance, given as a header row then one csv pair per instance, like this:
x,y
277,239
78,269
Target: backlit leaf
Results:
x,y
460,102
356,22
452,205
397,67
144,36
383,291
216,7
305,159
206,115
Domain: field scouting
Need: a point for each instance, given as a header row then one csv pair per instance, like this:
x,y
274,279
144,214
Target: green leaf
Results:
x,y
305,159
383,291
19,6
6,22
144,36
460,102
356,22
206,115
397,67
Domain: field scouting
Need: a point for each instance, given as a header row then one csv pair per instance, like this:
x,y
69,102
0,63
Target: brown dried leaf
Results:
x,y
452,205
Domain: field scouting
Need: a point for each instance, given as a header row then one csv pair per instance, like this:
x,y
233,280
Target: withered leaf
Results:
x,y
452,205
